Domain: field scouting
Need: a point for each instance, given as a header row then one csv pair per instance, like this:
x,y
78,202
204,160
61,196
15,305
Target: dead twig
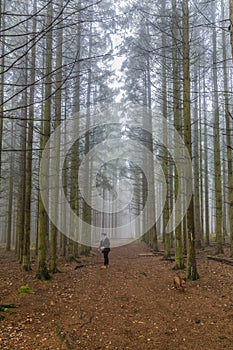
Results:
x,y
62,336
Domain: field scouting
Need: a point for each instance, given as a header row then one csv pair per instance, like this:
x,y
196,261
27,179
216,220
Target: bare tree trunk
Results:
x,y
228,127
85,250
43,227
191,271
2,49
201,183
21,188
74,194
197,220
179,261
167,235
58,98
152,233
217,157
28,188
10,193
65,184
206,169
231,25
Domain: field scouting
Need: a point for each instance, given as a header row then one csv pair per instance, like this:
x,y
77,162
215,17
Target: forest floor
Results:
x,y
130,305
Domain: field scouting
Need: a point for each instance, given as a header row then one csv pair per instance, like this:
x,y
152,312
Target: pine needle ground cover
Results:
x,y
131,305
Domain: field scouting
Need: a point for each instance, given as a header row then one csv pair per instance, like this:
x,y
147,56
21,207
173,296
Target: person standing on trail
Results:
x,y
105,249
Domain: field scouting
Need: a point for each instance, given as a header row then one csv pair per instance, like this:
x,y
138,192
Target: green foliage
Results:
x,y
6,308
26,289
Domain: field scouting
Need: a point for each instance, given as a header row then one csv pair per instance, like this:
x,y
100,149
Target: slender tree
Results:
x,y
179,261
167,235
42,269
10,194
229,142
86,212
196,172
21,182
191,271
231,25
217,156
74,195
206,169
2,51
28,188
58,100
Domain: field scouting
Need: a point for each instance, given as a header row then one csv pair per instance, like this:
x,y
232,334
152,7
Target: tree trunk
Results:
x,y
228,127
152,234
28,188
231,25
191,271
74,194
21,188
197,220
179,260
206,168
167,235
55,167
217,156
43,227
201,182
86,215
2,50
10,193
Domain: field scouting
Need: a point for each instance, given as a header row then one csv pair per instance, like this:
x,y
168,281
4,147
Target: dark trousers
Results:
x,y
106,260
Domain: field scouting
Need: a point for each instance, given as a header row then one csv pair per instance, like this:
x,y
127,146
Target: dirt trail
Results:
x,y
131,305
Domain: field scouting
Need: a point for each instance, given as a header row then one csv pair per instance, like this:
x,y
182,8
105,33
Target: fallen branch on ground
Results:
x,y
147,254
221,259
62,336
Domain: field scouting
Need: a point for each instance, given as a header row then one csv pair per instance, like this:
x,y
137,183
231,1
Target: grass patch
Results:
x,y
26,289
